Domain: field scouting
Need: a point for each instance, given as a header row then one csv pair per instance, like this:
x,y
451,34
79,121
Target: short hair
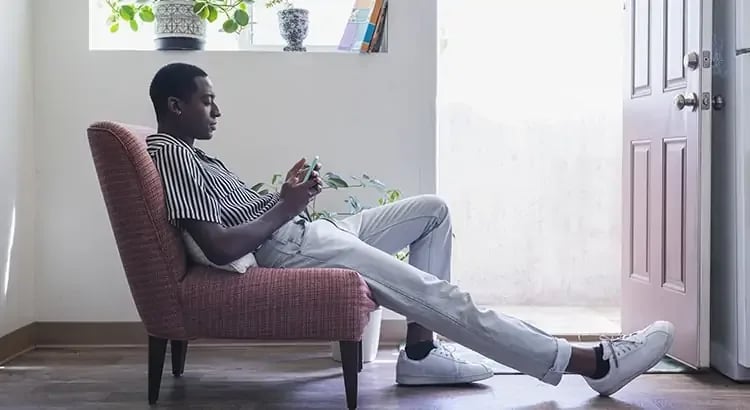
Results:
x,y
173,80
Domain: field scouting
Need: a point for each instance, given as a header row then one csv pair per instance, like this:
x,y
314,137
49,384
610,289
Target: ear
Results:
x,y
174,105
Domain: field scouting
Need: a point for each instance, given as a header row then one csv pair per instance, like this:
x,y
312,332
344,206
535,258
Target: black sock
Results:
x,y
602,366
419,351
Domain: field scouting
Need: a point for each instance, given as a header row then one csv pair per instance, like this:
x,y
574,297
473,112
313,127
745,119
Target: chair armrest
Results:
x,y
276,304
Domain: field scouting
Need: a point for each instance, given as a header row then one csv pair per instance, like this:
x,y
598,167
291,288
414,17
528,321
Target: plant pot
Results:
x,y
177,26
370,339
293,25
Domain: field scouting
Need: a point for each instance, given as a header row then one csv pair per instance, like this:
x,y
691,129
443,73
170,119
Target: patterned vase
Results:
x,y
293,24
177,26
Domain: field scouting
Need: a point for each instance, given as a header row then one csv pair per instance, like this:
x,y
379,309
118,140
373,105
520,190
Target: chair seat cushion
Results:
x,y
276,304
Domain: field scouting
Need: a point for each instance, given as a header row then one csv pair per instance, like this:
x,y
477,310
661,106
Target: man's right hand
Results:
x,y
296,195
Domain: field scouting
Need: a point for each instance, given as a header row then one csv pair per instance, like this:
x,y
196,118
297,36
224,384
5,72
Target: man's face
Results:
x,y
199,114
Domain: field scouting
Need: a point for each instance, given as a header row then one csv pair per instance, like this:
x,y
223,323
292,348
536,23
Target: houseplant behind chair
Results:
x,y
180,24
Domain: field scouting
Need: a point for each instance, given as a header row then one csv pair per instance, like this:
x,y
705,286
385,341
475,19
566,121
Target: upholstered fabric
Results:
x,y
178,301
322,304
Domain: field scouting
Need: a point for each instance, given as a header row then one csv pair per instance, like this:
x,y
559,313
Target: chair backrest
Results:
x,y
151,249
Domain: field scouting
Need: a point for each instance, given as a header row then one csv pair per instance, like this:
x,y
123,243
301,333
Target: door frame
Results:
x,y
704,306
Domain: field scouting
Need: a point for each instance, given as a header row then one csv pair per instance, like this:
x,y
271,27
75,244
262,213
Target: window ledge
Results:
x,y
253,49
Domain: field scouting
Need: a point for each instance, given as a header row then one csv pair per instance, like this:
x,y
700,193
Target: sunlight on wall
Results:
x,y
529,148
9,253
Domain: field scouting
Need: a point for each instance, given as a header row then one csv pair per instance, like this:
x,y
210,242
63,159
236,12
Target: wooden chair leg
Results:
x,y
361,357
179,352
157,349
349,362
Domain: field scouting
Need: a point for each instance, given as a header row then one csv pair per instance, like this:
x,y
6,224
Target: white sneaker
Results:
x,y
440,366
632,355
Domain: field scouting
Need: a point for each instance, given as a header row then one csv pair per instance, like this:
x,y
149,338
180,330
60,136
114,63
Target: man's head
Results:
x,y
184,101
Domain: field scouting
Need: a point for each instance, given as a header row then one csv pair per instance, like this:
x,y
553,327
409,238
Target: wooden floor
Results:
x,y
304,377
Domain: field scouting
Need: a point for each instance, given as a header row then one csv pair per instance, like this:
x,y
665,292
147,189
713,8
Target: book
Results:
x,y
376,44
377,9
359,25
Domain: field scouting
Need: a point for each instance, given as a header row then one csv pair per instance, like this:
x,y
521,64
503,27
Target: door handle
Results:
x,y
718,103
686,100
691,60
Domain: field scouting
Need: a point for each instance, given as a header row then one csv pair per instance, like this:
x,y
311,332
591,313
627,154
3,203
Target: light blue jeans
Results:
x,y
421,289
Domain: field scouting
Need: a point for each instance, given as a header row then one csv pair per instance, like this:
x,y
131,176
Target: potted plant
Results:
x,y
180,24
293,24
371,335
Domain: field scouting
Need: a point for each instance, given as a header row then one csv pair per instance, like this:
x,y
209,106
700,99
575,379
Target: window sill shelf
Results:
x,y
254,49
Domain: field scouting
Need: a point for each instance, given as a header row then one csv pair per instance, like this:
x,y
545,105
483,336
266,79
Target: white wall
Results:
x,y
16,170
530,148
372,114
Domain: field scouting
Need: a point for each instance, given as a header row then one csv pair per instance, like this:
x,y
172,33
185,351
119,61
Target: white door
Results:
x,y
666,171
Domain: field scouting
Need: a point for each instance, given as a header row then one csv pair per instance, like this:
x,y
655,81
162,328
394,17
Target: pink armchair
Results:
x,y
178,301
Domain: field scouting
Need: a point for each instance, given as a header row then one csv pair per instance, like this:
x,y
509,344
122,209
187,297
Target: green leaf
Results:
x,y
198,7
133,25
127,12
202,10
371,182
334,181
113,28
213,13
276,179
257,187
376,184
263,192
112,19
340,182
393,195
229,26
354,204
147,14
402,255
241,17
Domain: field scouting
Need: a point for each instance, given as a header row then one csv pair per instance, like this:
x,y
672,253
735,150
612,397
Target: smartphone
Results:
x,y
311,169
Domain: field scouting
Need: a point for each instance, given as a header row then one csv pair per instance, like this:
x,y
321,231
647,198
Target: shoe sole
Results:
x,y
642,371
436,381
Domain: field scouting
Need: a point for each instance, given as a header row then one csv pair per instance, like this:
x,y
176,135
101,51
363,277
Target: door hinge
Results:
x,y
706,101
706,59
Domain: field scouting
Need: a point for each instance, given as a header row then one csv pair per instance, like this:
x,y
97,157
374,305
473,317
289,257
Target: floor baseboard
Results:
x,y
112,334
17,342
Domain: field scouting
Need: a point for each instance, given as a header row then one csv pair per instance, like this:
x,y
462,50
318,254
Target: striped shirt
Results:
x,y
199,187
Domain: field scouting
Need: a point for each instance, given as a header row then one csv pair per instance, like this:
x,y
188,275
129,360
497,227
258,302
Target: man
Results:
x,y
228,220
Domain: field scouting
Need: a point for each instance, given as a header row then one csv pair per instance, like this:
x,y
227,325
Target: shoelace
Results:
x,y
447,351
618,345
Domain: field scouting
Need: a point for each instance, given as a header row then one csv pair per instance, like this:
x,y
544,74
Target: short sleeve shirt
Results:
x,y
199,187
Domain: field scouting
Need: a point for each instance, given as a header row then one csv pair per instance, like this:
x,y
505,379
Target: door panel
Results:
x,y
640,211
674,214
642,50
674,44
665,172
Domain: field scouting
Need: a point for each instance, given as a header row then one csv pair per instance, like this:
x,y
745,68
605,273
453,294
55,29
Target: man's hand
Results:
x,y
300,170
296,195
